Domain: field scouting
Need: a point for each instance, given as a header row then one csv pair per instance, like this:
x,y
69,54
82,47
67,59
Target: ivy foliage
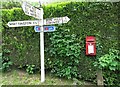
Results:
x,y
68,48
6,62
111,64
110,61
31,69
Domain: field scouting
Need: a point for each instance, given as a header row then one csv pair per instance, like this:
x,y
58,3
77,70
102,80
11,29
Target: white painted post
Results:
x,y
42,48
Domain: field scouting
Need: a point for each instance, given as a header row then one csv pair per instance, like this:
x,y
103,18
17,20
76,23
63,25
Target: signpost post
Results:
x,y
38,13
42,48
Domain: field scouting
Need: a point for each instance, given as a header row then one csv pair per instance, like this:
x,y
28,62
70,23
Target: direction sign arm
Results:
x,y
31,10
57,20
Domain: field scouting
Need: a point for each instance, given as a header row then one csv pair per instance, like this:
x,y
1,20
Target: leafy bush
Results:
x,y
111,78
6,63
30,69
110,63
0,62
65,52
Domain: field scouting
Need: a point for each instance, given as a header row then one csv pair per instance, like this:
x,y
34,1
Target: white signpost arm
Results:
x,y
42,48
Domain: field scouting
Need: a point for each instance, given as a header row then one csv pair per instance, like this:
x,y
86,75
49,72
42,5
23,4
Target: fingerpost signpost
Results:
x,y
38,13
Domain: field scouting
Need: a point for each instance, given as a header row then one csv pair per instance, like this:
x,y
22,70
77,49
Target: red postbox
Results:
x,y
90,45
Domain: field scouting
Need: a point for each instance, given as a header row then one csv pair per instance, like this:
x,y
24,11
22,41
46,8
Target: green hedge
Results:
x,y
20,41
65,48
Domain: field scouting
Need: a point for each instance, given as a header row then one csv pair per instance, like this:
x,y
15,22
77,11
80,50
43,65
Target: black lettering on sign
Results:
x,y
23,23
12,23
20,23
29,23
34,22
27,9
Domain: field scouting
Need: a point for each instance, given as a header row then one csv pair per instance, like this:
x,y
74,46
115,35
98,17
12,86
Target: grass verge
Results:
x,y
18,77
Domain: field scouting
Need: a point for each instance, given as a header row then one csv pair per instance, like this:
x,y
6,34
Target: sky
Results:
x,y
41,0
37,0
69,0
48,1
27,0
44,1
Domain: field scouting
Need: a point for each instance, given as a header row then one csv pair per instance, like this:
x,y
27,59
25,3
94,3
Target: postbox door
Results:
x,y
90,46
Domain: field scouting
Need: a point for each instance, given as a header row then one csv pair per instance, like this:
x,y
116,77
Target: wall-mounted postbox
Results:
x,y
90,45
